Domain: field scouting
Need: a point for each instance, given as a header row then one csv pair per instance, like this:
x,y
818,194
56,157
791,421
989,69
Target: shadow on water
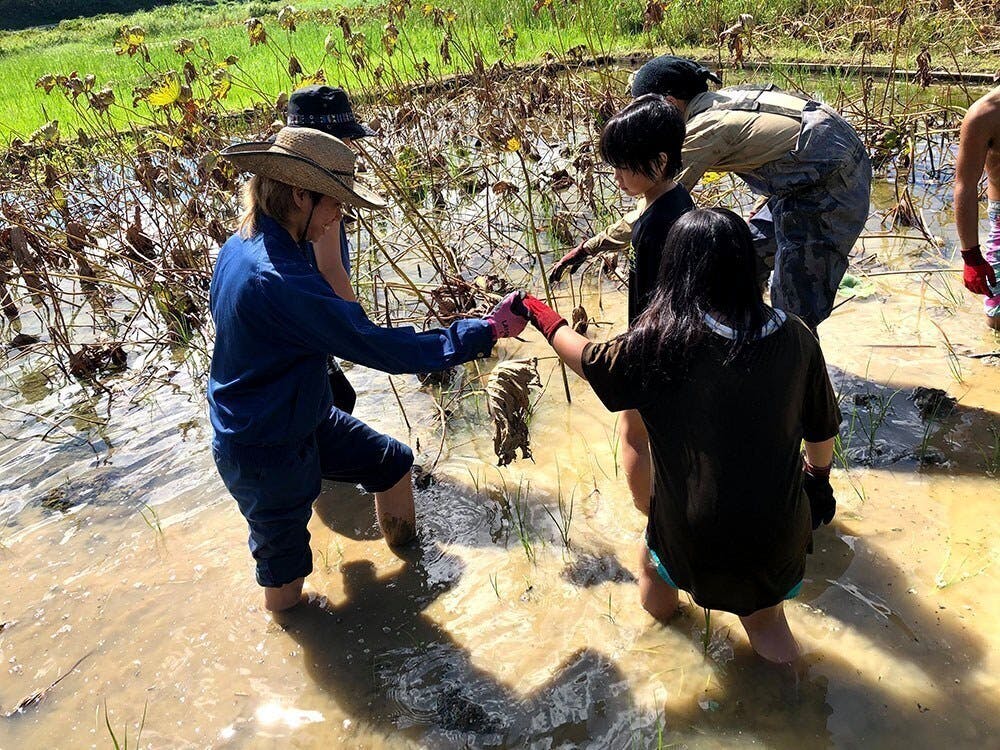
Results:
x,y
830,700
826,701
387,663
415,678
448,514
919,428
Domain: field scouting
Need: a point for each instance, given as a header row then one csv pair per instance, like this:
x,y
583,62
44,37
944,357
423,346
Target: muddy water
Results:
x,y
127,553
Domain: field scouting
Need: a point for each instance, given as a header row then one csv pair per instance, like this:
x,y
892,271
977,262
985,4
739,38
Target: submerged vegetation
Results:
x,y
110,214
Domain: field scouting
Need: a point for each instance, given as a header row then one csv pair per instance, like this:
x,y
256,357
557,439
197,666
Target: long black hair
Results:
x,y
635,137
709,266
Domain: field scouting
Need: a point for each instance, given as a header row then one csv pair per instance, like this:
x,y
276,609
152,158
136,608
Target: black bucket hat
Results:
x,y
325,108
668,75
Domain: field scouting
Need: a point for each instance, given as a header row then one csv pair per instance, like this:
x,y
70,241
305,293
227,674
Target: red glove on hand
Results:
x,y
542,317
570,261
979,275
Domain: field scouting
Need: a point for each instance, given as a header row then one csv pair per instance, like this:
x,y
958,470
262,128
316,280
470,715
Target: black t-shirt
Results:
x,y
729,518
648,235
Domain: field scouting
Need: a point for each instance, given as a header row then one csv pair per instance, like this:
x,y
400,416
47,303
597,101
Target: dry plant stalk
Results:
x,y
508,399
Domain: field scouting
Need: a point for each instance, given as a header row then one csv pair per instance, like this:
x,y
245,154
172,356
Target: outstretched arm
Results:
x,y
616,236
566,342
569,344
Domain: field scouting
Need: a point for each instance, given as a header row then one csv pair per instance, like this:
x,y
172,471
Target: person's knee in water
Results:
x,y
277,319
709,367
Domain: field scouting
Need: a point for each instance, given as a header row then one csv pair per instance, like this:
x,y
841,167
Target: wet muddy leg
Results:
x,y
636,460
658,597
770,635
395,511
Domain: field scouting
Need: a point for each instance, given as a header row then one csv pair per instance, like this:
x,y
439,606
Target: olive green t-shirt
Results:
x,y
728,518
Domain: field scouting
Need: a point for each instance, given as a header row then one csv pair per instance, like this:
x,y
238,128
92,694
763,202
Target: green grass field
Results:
x,y
601,26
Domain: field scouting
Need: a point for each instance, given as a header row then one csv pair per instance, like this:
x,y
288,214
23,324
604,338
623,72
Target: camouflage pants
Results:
x,y
819,197
992,255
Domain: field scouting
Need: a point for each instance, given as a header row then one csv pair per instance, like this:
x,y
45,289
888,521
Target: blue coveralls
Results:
x,y
276,430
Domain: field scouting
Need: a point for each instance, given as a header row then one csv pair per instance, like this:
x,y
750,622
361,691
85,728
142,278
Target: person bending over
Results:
x,y
804,157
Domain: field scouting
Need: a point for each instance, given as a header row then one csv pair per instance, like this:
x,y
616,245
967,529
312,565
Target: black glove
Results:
x,y
344,396
569,262
816,482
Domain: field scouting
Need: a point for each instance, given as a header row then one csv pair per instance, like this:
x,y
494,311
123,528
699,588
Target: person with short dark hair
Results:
x,y
804,157
728,388
328,109
643,144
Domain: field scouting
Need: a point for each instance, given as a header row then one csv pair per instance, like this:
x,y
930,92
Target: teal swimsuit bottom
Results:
x,y
792,593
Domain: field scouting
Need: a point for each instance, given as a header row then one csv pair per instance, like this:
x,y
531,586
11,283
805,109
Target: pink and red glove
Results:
x,y
505,321
979,275
542,317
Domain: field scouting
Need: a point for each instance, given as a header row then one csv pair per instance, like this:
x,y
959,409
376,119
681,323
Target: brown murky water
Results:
x,y
492,632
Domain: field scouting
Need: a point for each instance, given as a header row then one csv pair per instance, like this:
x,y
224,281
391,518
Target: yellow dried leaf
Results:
x,y
255,31
164,92
168,139
221,83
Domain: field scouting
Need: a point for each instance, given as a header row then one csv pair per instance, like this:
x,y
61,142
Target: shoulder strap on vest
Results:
x,y
767,99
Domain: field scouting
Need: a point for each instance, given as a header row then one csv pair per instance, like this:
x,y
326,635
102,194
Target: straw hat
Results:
x,y
309,159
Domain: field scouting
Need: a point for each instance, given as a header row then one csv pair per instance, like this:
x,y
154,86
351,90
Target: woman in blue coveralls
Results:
x,y
277,432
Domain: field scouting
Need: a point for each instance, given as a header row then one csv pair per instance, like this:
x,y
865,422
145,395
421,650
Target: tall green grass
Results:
x,y
600,26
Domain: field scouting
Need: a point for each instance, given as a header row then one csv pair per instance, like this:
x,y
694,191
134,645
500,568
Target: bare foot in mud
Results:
x,y
770,635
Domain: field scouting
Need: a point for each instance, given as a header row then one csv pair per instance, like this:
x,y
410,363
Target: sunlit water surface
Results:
x,y
492,632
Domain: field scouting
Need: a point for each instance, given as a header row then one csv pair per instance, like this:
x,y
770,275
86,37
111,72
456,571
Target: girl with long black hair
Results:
x,y
728,389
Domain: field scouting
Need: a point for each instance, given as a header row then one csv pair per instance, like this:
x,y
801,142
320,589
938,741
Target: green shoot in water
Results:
x,y
152,520
495,584
123,745
954,363
990,453
706,639
565,511
609,615
520,506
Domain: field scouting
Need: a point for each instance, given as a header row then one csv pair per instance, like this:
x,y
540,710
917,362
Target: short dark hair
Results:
x,y
635,137
709,265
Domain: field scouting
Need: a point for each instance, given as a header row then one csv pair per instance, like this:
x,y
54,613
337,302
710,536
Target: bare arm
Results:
x,y
330,264
820,454
973,147
569,345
